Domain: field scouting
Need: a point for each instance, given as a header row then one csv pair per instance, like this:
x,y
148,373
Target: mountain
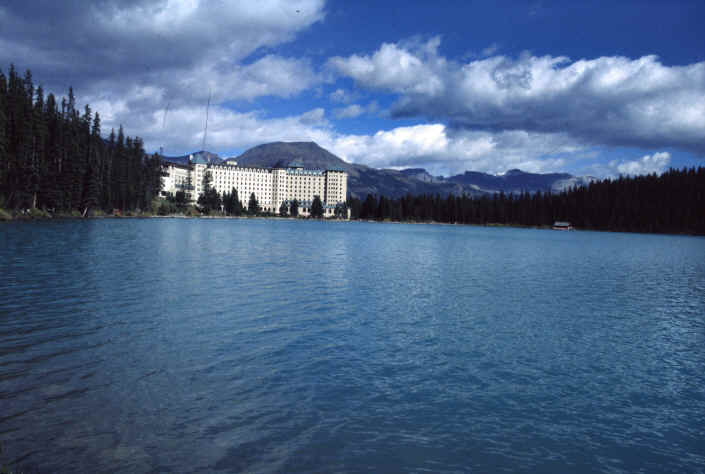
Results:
x,y
515,181
422,175
364,180
283,153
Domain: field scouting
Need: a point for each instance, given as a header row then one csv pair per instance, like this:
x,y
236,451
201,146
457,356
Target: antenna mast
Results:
x,y
166,111
205,130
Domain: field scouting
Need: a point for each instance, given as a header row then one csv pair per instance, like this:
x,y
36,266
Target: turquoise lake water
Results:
x,y
176,345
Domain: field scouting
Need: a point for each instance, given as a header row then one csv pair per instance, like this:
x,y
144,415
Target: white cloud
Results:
x,y
355,110
183,47
395,68
269,76
351,111
340,96
433,146
227,129
607,100
442,151
218,30
648,164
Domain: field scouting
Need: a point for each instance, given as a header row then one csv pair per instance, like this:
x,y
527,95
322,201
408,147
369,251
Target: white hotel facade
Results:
x,y
271,186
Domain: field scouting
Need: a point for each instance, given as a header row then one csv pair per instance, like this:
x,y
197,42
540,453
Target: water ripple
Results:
x,y
270,346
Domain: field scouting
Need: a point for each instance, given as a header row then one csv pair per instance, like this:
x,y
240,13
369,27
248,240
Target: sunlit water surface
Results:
x,y
174,345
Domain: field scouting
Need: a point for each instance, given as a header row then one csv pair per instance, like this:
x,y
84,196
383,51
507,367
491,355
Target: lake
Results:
x,y
235,345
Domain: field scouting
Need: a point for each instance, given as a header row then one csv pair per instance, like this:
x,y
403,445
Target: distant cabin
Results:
x,y
561,225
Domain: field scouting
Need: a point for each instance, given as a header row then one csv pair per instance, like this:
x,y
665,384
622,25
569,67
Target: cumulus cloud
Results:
x,y
395,68
134,36
608,100
227,129
271,75
656,163
135,57
340,96
351,111
152,64
444,151
433,146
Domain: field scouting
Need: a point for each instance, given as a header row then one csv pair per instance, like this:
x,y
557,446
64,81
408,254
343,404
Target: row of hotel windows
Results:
x,y
260,183
268,193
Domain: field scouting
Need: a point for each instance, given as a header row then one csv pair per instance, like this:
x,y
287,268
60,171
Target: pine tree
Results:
x,y
317,207
14,120
180,200
120,172
107,175
57,159
39,161
3,137
341,211
209,200
231,203
237,205
369,207
207,181
253,206
92,186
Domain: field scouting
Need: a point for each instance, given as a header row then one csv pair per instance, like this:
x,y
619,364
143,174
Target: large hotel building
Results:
x,y
272,186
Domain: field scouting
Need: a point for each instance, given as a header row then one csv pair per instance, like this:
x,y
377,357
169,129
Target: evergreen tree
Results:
x,y
107,174
92,186
253,206
55,159
180,200
207,181
283,210
317,207
294,208
14,122
355,206
38,161
231,203
369,207
237,205
227,203
209,200
3,135
341,211
667,203
120,173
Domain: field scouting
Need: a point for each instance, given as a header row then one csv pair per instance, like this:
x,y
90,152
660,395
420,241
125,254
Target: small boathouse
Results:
x,y
562,225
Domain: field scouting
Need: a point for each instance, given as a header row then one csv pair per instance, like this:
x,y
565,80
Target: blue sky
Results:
x,y
598,88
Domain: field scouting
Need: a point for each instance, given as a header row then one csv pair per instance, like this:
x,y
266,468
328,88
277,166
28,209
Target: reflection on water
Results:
x,y
253,345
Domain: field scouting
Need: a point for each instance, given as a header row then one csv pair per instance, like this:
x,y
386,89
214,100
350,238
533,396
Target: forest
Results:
x,y
53,157
673,202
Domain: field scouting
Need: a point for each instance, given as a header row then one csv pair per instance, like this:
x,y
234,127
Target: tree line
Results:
x,y
673,202
53,157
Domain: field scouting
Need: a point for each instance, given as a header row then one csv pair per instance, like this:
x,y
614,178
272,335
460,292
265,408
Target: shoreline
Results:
x,y
44,216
